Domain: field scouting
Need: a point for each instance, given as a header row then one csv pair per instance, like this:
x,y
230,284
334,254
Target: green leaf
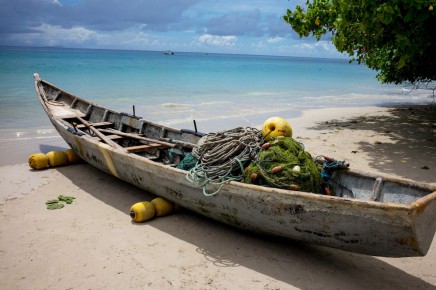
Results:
x,y
56,205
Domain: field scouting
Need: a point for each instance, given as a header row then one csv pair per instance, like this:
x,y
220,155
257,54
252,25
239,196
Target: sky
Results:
x,y
212,26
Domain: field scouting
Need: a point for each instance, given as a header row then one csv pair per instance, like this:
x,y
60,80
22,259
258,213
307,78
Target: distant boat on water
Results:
x,y
169,52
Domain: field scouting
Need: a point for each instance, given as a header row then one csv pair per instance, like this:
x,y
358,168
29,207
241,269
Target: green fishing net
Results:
x,y
188,162
285,164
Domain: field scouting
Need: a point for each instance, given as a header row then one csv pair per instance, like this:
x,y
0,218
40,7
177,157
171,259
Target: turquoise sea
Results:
x,y
219,91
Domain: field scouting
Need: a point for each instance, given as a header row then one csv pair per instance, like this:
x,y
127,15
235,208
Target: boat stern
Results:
x,y
424,223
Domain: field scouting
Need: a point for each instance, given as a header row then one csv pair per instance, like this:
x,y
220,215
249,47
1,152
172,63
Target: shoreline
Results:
x,y
92,244
397,140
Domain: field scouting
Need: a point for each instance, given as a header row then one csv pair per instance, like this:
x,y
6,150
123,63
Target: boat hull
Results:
x,y
366,227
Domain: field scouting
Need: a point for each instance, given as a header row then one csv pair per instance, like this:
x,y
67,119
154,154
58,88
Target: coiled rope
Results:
x,y
221,157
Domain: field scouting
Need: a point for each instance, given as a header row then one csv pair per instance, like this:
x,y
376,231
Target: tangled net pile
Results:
x,y
222,156
285,165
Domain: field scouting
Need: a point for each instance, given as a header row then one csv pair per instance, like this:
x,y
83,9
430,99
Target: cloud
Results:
x,y
235,23
18,15
326,45
310,49
275,39
276,26
103,15
233,26
216,40
77,36
115,15
314,47
51,35
216,18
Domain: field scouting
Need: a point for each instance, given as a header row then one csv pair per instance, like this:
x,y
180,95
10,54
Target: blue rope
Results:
x,y
329,167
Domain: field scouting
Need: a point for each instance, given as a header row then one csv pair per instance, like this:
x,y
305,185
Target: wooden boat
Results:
x,y
378,215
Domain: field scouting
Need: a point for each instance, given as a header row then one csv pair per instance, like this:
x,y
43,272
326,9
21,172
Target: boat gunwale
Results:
x,y
42,99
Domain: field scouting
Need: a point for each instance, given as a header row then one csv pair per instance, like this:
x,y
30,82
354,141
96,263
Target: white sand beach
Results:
x,y
92,243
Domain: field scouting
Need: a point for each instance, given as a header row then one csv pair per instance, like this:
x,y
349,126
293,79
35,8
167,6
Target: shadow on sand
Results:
x,y
300,265
412,146
47,148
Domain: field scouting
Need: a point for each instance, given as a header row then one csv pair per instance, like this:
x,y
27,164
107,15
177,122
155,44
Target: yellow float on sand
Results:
x,y
57,158
38,161
72,157
142,211
162,206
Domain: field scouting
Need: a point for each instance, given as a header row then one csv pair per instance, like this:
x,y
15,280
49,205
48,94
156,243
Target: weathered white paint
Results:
x,y
404,226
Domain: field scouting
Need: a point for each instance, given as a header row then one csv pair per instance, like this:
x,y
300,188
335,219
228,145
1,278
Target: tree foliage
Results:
x,y
397,38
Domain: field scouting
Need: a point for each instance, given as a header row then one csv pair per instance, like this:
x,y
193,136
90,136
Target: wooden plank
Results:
x,y
377,189
144,147
136,136
114,137
178,142
99,134
99,124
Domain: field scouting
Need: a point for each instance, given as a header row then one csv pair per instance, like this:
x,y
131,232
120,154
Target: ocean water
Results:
x,y
218,91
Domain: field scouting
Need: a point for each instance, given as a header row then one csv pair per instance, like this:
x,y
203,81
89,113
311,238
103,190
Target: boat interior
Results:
x,y
123,131
169,146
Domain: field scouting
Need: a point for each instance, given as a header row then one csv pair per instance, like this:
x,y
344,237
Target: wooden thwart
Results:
x,y
99,124
144,147
155,144
377,189
178,142
114,137
135,136
98,133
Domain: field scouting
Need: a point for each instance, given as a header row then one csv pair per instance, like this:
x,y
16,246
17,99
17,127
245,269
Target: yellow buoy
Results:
x,y
38,161
162,206
275,127
57,158
72,157
142,211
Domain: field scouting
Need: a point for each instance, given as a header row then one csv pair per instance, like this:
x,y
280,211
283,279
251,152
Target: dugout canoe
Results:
x,y
376,215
